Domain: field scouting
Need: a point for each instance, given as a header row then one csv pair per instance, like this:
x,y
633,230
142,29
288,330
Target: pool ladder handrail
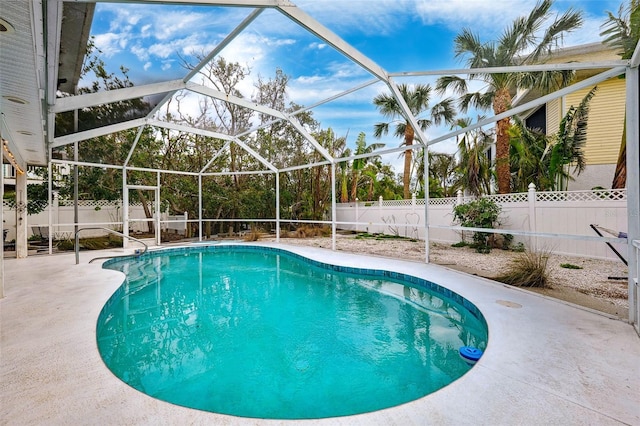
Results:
x,y
77,244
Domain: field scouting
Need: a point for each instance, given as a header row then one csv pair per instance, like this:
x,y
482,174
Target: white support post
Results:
x,y
125,209
50,205
533,226
157,215
2,221
21,215
426,204
199,209
633,190
333,206
277,207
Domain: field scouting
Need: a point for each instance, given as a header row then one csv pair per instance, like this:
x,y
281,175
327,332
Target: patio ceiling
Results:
x,y
28,78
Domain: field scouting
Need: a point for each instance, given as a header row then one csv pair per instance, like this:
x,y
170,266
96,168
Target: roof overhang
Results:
x,y
28,79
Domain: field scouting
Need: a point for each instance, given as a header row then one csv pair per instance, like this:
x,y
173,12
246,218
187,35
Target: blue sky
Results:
x,y
399,35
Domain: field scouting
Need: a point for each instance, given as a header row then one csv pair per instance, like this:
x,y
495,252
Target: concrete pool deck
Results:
x,y
547,362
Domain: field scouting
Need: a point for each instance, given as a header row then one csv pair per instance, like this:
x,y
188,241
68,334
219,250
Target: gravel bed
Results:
x,y
590,286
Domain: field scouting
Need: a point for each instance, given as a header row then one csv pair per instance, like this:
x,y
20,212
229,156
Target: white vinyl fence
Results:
x,y
567,212
570,212
102,213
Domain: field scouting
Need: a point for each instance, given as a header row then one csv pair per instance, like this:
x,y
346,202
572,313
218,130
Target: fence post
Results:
x,y
55,210
531,199
380,214
356,221
186,225
459,199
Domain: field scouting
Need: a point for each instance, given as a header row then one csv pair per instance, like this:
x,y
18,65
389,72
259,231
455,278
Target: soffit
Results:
x,y
22,80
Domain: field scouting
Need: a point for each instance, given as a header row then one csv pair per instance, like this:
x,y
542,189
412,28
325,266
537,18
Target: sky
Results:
x,y
152,41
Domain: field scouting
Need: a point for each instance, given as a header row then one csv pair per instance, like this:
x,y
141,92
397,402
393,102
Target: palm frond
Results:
x,y
569,21
451,82
399,130
424,123
476,100
468,43
387,105
623,31
380,129
443,111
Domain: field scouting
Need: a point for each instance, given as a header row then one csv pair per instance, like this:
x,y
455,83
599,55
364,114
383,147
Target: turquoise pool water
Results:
x,y
259,332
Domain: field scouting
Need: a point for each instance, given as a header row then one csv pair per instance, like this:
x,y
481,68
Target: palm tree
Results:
x,y
417,99
370,176
521,43
442,169
623,33
474,167
444,180
360,163
527,153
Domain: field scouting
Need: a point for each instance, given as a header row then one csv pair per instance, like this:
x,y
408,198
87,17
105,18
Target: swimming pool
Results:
x,y
261,332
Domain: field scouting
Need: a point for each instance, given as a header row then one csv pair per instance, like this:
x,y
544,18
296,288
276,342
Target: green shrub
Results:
x,y
570,266
507,240
480,213
460,244
520,248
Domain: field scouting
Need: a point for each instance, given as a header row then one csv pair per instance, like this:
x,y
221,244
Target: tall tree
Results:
x,y
474,167
418,100
623,33
443,171
528,152
523,42
359,163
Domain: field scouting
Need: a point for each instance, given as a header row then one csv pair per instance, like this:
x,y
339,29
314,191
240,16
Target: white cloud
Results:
x,y
317,46
147,66
108,43
363,16
175,23
481,15
141,52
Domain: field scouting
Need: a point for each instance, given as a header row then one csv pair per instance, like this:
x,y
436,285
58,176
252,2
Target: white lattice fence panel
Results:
x,y
594,195
442,201
96,203
396,203
520,197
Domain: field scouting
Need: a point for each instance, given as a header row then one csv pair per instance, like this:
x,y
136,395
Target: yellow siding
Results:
x,y
606,120
553,116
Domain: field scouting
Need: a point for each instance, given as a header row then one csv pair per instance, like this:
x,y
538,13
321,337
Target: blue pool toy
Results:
x,y
470,354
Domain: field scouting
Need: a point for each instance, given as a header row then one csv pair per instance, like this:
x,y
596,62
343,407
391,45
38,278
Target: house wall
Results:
x,y
594,175
606,120
606,114
554,115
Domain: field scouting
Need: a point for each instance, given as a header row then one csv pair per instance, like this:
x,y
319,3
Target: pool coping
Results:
x,y
546,361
